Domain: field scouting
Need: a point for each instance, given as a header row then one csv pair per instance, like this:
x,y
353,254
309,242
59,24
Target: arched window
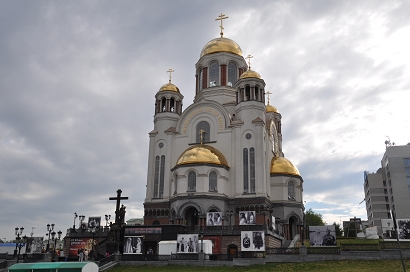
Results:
x,y
172,105
191,181
247,93
213,181
156,176
176,184
200,79
232,73
256,93
252,169
291,190
204,126
163,104
245,171
214,74
161,177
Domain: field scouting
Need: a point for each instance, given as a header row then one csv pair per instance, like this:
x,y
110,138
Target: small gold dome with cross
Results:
x,y
221,44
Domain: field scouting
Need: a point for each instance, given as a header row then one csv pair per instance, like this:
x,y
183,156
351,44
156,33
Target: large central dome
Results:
x,y
221,44
202,154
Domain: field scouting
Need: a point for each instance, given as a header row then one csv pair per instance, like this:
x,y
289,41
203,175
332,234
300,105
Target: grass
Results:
x,y
339,266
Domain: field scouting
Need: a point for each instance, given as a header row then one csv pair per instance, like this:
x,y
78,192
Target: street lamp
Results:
x,y
93,230
107,217
53,234
18,233
75,217
50,228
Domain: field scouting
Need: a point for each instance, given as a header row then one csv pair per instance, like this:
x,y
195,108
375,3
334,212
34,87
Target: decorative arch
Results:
x,y
213,208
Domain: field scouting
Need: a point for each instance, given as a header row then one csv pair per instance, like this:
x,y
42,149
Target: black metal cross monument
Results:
x,y
117,209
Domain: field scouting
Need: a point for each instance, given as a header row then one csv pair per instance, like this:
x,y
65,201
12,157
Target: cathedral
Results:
x,y
222,154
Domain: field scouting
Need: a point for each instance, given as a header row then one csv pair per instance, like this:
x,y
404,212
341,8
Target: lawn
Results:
x,y
339,266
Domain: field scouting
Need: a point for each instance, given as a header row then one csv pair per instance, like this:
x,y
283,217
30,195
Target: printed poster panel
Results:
x,y
252,241
214,219
133,244
94,222
388,231
403,229
322,235
187,243
247,218
81,244
34,244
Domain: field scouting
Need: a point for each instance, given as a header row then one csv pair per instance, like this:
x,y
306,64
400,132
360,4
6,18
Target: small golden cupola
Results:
x,y
169,98
202,154
283,166
269,108
250,86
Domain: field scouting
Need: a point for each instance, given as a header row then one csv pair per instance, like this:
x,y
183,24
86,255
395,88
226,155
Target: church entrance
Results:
x,y
191,218
292,227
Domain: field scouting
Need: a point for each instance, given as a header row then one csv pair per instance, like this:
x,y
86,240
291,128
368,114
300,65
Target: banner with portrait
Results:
x,y
81,244
187,243
247,218
94,222
133,244
322,235
214,219
403,229
252,241
34,245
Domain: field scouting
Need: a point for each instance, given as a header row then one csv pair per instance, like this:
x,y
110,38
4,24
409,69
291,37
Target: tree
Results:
x,y
313,219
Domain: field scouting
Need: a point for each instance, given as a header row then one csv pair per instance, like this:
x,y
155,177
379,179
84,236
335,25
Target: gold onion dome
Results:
x,y
221,44
281,165
202,154
250,74
169,87
270,108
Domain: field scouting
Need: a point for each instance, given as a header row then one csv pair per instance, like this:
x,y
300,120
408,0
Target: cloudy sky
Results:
x,y
78,80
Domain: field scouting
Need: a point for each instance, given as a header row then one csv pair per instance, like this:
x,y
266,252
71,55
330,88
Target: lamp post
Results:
x,y
202,240
18,232
75,217
50,228
53,234
107,217
20,242
93,230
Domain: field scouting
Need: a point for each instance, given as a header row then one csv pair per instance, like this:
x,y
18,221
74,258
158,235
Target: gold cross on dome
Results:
x,y
268,93
170,70
201,132
221,17
249,60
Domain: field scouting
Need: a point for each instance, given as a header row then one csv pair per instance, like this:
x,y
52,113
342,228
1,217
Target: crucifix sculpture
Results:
x,y
170,70
201,132
249,60
268,93
221,17
119,212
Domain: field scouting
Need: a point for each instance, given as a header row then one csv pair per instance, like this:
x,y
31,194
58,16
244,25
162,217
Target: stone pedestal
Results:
x,y
201,256
303,250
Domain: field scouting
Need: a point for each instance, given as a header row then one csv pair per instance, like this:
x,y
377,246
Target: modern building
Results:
x,y
389,188
223,153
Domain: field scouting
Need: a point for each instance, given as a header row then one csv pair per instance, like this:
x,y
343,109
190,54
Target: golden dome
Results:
x,y
250,74
202,154
169,87
270,108
281,165
221,44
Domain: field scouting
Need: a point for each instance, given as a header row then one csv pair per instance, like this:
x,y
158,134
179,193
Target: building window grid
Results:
x,y
245,170
232,73
161,176
213,181
214,74
201,76
252,169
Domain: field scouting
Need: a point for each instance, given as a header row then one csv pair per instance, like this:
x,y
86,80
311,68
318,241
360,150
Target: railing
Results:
x,y
105,260
184,256
394,245
32,258
359,247
291,250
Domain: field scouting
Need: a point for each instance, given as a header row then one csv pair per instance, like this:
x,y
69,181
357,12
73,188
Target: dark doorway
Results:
x,y
191,218
232,251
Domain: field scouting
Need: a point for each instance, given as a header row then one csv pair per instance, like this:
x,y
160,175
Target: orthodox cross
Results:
x,y
170,70
268,93
117,209
221,17
201,132
249,60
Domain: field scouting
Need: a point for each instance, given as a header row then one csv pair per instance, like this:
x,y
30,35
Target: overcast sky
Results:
x,y
78,80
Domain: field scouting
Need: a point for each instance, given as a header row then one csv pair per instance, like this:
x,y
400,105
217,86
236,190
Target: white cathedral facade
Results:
x,y
223,153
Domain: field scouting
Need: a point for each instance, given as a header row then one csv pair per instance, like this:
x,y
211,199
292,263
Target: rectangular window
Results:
x,y
245,170
156,176
252,168
161,177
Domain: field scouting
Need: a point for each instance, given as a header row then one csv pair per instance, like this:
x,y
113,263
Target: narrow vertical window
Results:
x,y
161,176
256,93
247,93
192,181
252,169
291,190
245,171
214,74
204,126
201,78
232,74
213,181
176,184
156,176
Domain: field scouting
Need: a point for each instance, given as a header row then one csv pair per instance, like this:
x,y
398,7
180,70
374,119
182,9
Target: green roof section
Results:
x,y
54,266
